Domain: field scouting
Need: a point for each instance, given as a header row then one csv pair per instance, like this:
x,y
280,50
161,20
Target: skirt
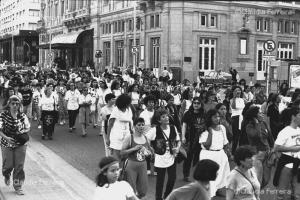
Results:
x,y
221,158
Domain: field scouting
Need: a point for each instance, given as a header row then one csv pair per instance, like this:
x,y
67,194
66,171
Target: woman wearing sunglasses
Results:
x,y
14,124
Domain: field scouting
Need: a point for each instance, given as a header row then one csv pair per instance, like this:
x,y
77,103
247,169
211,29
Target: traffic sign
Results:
x,y
134,49
269,45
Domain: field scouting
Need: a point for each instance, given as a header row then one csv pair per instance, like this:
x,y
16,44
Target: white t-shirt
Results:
x,y
177,99
289,137
166,160
219,138
240,104
121,127
116,191
101,95
147,116
47,103
73,99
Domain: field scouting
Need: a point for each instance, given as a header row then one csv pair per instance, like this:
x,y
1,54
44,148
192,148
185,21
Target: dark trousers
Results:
x,y
192,156
48,119
161,172
236,133
13,159
72,117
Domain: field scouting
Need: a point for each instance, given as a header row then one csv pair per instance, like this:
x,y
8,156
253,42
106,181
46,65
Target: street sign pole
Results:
x,y
269,46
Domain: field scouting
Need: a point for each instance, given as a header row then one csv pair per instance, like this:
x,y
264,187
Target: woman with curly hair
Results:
x,y
120,124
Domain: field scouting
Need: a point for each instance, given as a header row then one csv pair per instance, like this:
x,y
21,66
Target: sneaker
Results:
x,y
39,126
19,192
61,123
7,180
35,119
73,128
100,134
155,173
70,130
148,172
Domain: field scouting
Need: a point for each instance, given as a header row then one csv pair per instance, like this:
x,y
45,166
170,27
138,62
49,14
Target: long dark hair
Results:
x,y
209,115
101,179
191,108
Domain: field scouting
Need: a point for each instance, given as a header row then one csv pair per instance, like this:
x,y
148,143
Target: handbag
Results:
x,y
22,138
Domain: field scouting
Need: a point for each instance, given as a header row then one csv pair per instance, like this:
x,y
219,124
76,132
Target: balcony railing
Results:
x,y
76,14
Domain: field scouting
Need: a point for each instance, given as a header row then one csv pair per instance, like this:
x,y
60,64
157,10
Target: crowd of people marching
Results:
x,y
232,137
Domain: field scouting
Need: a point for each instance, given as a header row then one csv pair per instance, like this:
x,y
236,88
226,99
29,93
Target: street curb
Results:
x,y
61,171
2,197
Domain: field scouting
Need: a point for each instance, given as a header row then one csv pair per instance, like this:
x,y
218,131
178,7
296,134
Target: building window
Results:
x,y
152,21
155,53
119,53
243,46
266,25
213,20
115,27
279,26
286,27
207,54
258,24
293,27
285,51
203,20
106,51
157,24
130,27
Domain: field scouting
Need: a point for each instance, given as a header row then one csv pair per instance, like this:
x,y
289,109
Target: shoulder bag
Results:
x,y
254,191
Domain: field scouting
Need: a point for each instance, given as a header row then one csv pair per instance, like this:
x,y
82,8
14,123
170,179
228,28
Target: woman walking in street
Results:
x,y
215,146
61,91
119,125
242,183
136,147
259,137
193,124
48,107
166,147
14,128
237,105
85,101
72,105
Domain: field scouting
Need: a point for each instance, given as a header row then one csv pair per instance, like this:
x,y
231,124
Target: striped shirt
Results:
x,y
10,126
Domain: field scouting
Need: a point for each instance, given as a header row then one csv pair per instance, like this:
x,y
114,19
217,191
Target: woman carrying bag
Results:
x,y
136,148
166,142
14,128
48,107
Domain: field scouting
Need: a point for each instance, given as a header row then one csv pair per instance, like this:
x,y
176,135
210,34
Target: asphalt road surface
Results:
x,y
85,153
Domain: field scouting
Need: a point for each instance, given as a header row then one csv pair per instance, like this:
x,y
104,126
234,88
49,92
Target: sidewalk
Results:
x,y
49,177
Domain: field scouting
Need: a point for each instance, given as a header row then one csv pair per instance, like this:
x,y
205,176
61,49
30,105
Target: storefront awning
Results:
x,y
63,41
67,38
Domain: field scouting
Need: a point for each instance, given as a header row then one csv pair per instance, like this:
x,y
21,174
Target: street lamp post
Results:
x,y
134,38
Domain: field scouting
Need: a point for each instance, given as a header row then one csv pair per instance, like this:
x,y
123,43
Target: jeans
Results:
x,y
72,117
13,159
161,179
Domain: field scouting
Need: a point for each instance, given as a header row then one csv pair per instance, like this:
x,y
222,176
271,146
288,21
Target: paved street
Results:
x,y
85,153
81,153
